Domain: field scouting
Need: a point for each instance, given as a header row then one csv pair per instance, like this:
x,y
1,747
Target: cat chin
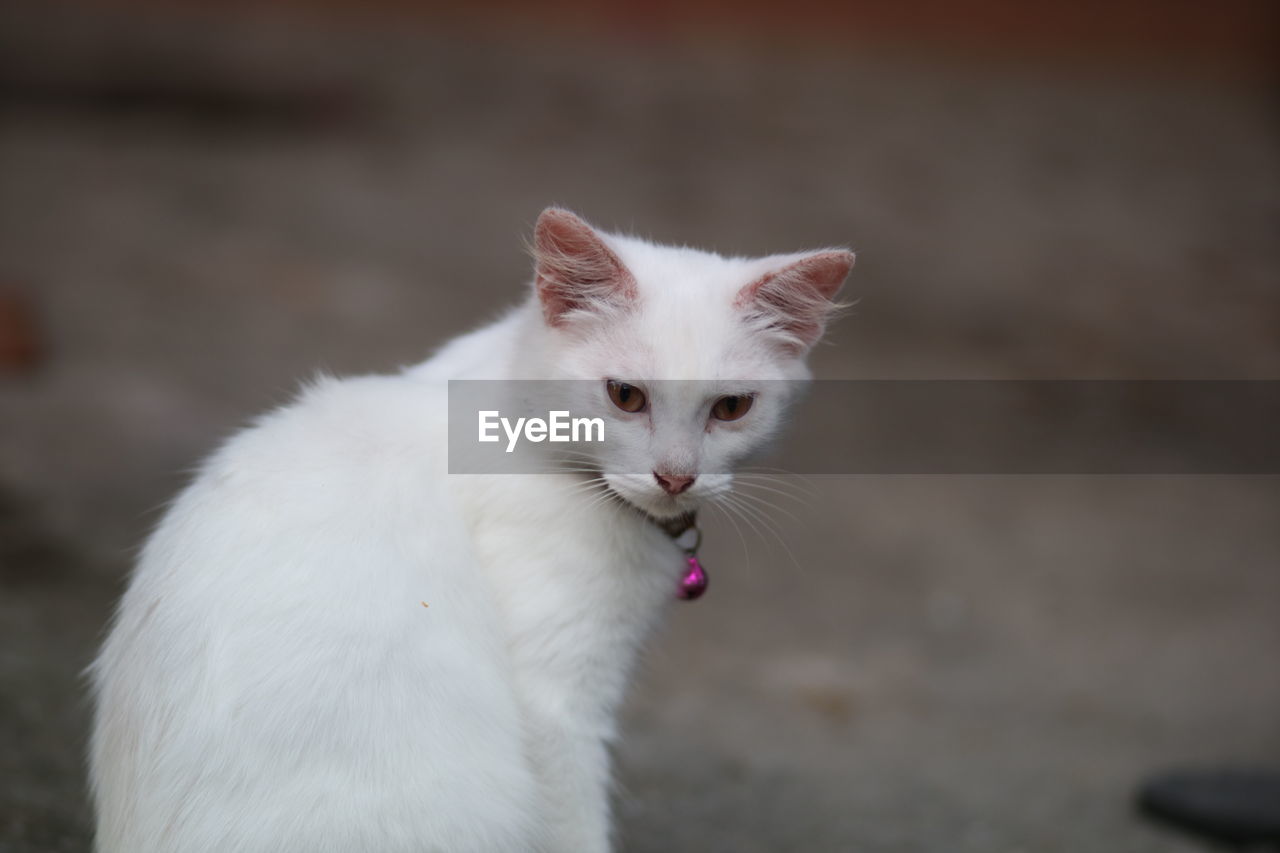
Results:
x,y
664,510
660,506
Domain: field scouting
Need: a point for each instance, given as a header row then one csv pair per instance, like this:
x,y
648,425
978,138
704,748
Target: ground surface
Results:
x,y
976,664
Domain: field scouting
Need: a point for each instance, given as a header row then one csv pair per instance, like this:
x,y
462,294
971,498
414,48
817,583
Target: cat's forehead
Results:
x,y
662,269
694,333
686,325
688,322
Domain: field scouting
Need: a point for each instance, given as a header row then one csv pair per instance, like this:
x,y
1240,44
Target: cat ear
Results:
x,y
576,271
794,302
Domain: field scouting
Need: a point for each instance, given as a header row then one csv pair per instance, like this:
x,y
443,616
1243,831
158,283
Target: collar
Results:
x,y
684,532
676,527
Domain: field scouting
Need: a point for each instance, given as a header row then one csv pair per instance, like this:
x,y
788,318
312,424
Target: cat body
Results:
x,y
331,644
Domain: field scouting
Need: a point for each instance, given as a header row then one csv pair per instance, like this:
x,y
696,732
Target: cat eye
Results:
x,y
629,398
732,407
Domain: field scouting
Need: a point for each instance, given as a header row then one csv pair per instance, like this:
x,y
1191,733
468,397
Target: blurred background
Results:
x,y
201,204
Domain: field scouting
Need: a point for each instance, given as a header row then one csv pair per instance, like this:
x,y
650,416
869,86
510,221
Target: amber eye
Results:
x,y
732,408
629,398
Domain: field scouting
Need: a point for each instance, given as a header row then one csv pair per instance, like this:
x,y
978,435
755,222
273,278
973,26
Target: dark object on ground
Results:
x,y
1235,806
19,338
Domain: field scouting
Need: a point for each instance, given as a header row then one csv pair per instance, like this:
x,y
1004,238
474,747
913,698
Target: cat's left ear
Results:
x,y
576,271
794,301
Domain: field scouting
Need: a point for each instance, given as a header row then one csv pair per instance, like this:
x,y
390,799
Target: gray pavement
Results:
x,y
973,664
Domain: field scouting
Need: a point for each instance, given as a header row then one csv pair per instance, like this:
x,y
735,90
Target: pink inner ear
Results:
x,y
826,271
576,271
796,299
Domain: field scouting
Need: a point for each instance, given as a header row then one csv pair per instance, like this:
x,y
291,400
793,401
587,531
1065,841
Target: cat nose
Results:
x,y
673,484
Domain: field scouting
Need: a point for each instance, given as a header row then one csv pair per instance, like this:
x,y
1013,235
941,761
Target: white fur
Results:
x,y
273,681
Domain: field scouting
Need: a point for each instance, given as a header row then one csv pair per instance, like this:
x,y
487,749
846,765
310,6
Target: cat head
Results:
x,y
691,358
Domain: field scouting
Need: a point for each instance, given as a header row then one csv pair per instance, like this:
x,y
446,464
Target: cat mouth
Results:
x,y
661,507
657,506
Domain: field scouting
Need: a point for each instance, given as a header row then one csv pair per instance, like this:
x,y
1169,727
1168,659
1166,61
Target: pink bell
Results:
x,y
694,581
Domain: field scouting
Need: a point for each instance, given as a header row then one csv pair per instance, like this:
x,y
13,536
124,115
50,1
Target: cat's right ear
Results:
x,y
577,273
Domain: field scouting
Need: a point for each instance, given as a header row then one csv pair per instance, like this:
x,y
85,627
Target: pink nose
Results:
x,y
673,485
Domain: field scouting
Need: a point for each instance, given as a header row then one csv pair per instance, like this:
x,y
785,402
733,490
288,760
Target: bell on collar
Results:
x,y
694,581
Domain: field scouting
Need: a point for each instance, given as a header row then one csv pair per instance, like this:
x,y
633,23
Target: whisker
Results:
x,y
760,501
780,477
764,521
746,549
782,492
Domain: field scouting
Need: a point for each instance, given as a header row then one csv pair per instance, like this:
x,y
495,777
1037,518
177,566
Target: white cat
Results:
x,y
332,644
